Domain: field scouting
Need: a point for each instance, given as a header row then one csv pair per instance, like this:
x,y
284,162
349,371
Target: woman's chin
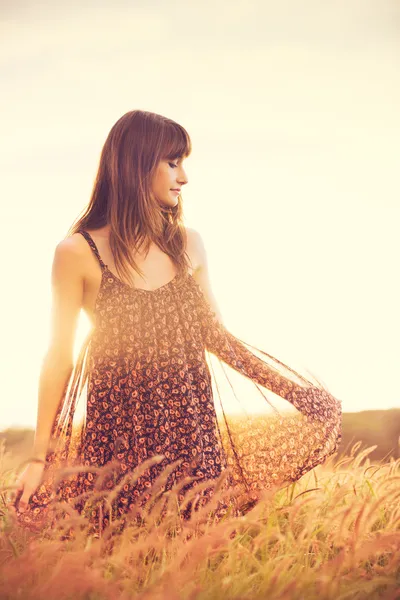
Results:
x,y
169,203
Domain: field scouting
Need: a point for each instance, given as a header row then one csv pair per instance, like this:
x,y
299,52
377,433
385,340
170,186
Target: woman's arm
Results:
x,y
271,451
218,340
67,279
201,272
281,380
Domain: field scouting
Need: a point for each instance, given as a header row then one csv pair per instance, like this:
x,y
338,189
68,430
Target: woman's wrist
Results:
x,y
40,449
37,459
38,454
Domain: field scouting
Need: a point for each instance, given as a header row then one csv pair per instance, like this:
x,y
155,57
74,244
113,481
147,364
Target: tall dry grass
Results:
x,y
335,534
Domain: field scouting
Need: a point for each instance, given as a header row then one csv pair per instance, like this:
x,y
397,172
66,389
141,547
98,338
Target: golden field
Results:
x,y
334,534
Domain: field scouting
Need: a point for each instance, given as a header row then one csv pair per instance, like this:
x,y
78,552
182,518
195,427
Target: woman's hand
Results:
x,y
27,483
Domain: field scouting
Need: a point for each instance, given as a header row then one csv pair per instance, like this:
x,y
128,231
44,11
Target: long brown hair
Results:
x,y
122,196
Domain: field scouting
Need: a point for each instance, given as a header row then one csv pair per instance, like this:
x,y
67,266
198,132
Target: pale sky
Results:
x,y
293,181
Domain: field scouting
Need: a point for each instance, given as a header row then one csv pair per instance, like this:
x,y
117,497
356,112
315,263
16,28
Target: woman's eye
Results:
x,y
172,165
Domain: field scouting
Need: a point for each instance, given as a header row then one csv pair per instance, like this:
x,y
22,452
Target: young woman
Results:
x,y
146,372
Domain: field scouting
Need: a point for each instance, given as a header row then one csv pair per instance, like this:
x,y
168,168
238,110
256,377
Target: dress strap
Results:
x,y
93,246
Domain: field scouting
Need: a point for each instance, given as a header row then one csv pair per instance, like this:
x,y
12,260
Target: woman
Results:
x,y
151,370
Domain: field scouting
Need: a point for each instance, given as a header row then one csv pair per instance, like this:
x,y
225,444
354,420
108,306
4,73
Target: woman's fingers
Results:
x,y
25,486
14,496
24,499
19,499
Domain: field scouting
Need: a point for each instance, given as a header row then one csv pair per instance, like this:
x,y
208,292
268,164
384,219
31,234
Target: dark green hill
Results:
x,y
381,427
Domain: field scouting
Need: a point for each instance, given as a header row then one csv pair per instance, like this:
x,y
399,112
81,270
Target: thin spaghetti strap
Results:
x,y
93,246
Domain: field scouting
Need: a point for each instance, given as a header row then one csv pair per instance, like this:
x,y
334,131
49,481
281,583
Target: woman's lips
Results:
x,y
176,191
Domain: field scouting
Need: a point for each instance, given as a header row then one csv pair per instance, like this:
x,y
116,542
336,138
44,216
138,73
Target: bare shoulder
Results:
x,y
67,282
68,256
201,271
196,248
72,244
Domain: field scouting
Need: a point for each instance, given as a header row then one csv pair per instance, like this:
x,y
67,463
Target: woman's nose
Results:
x,y
183,177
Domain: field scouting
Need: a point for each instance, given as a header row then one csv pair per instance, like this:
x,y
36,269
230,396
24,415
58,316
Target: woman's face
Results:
x,y
169,176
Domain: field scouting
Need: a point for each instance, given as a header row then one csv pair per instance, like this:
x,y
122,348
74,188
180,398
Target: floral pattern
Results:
x,y
146,380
